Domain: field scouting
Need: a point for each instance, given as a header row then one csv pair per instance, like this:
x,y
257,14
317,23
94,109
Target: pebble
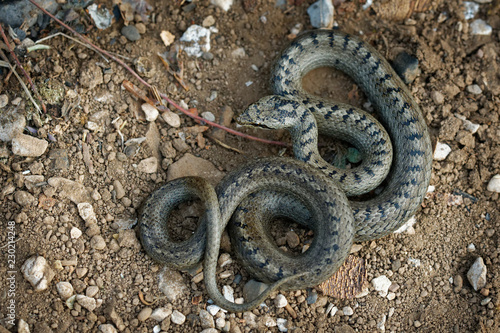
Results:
x,y
107,328
224,259
207,56
189,165
160,314
209,330
474,89
208,21
222,4
213,309
148,165
171,284
312,296
206,319
171,118
4,100
167,37
381,284
477,274
470,9
177,318
228,293
97,242
442,151
23,327
282,324
348,311
494,184
150,112
292,239
24,198
480,27
91,291
356,248
391,296
406,66
86,212
192,37
26,145
471,247
321,14
280,301
88,303
250,319
437,97
65,289
144,314
208,116
220,323
12,124
268,321
333,311
131,33
38,272
486,301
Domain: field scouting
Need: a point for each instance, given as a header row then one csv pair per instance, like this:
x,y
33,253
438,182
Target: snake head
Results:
x,y
271,112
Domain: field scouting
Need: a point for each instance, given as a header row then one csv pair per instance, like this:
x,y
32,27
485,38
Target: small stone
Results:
x,y
12,123
65,289
486,301
494,184
75,233
252,289
474,89
312,297
167,37
406,66
442,151
321,14
477,274
23,327
24,198
91,291
458,282
391,296
437,97
292,239
210,330
196,40
131,33
224,259
38,272
177,318
280,301
381,284
171,118
26,145
333,311
250,319
222,4
190,165
471,247
208,21
4,100
213,309
480,27
107,328
160,314
150,112
207,56
86,212
144,314
228,293
490,232
206,319
119,190
171,284
88,303
356,248
396,265
208,116
282,324
348,311
148,165
97,242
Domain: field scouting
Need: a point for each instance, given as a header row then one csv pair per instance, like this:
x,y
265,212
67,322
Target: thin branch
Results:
x,y
165,97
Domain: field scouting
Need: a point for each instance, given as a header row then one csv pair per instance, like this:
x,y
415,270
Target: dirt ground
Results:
x,y
424,266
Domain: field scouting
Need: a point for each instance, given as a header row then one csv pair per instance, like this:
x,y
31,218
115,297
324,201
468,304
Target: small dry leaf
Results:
x,y
45,202
348,281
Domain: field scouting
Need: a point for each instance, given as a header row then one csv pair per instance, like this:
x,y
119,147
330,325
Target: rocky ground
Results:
x,y
73,179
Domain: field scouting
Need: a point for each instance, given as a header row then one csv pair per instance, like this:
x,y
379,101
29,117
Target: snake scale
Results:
x,y
306,190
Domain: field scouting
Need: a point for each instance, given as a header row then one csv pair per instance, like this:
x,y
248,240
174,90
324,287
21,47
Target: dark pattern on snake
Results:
x,y
300,192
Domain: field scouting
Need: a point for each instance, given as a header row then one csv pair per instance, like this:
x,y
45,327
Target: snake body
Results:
x,y
306,191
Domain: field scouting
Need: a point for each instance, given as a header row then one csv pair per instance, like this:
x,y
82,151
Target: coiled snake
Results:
x,y
311,193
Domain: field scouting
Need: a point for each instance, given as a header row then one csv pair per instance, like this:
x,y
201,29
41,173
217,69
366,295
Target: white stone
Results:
x,y
65,289
471,247
381,323
38,272
150,112
321,14
281,322
86,212
238,53
222,4
348,311
88,303
107,328
477,274
177,318
192,38
228,293
171,284
208,116
75,233
468,125
269,322
206,319
148,165
208,21
213,309
171,118
333,311
405,227
381,284
225,259
167,37
442,151
160,314
391,296
12,123
23,326
280,301
91,291
480,27
474,89
494,184
470,9
26,145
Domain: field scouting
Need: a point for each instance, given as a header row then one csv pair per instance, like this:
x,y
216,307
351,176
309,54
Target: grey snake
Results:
x,y
307,189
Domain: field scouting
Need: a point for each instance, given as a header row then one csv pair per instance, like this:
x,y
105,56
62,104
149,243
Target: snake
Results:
x,y
394,175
